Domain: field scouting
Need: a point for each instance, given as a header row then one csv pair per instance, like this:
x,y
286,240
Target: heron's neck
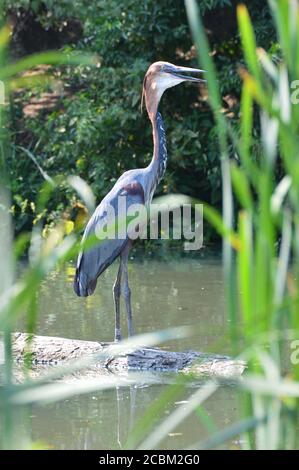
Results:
x,y
159,160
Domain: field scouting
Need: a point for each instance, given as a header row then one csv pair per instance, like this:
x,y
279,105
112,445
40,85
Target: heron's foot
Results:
x,y
131,333
141,350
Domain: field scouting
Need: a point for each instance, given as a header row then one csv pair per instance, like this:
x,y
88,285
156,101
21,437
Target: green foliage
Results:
x,y
96,129
258,274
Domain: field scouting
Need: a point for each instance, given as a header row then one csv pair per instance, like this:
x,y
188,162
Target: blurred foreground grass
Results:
x,y
260,251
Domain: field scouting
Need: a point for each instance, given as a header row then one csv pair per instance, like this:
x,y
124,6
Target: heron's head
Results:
x,y
159,77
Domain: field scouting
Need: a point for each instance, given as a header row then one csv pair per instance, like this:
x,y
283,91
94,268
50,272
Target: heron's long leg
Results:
x,y
126,288
116,296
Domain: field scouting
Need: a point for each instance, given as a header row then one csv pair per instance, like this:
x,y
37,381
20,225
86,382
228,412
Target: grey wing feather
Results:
x,y
92,262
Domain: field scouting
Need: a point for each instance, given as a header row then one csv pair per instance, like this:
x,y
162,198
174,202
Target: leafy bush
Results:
x,y
96,129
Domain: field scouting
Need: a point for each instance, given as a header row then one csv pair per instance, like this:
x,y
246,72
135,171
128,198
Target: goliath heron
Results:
x,y
138,186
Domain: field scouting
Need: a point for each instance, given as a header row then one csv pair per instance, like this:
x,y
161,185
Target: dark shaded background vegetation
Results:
x,y
90,123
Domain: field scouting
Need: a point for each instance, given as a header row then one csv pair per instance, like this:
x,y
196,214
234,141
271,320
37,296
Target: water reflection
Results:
x,y
105,419
163,295
126,415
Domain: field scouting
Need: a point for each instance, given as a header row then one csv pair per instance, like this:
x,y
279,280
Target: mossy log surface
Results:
x,y
48,350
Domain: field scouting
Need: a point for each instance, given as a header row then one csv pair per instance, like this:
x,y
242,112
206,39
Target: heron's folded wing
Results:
x,y
107,224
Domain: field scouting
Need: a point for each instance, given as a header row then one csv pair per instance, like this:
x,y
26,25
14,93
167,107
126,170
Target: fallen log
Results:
x,y
48,350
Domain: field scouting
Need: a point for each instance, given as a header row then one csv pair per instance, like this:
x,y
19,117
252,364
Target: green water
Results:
x,y
164,294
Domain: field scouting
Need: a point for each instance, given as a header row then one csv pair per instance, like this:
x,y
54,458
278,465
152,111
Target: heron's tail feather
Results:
x,y
83,286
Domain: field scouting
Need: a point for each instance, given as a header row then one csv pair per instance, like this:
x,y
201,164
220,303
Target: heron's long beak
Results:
x,y
179,72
